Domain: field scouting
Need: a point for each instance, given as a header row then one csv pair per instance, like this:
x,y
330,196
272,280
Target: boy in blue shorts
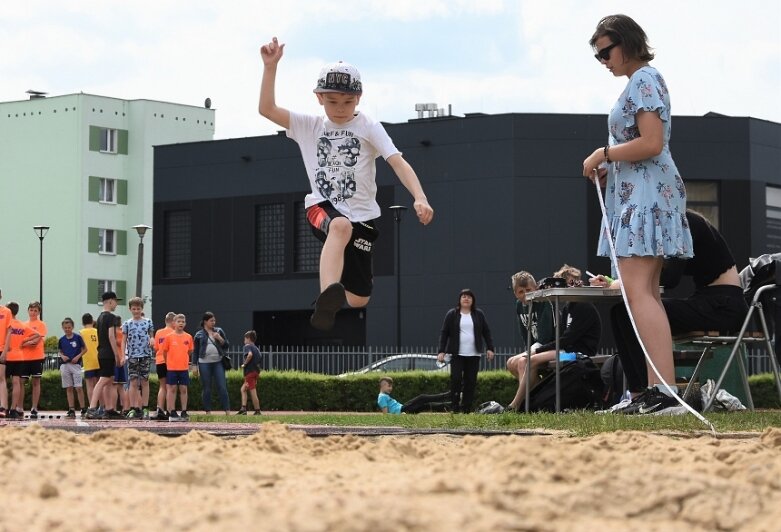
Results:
x,y
339,151
138,333
71,348
176,349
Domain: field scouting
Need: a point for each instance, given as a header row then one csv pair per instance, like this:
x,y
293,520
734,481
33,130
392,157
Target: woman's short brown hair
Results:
x,y
624,30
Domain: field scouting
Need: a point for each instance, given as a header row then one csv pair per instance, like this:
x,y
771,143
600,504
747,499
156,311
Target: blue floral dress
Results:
x,y
645,200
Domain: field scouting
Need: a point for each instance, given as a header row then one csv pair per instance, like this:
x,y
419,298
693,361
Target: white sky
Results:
x,y
488,56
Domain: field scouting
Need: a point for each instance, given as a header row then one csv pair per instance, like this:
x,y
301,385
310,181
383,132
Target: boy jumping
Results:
x,y
339,152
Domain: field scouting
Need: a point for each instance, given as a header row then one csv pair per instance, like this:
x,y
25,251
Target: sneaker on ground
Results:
x,y
257,413
132,414
15,414
650,401
161,416
145,413
71,413
33,414
184,416
93,413
173,416
328,303
242,412
83,411
113,414
2,412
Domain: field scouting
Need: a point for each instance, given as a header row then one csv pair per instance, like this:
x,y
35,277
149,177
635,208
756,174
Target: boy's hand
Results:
x,y
272,52
424,211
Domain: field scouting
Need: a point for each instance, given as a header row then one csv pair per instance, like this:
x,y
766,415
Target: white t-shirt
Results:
x,y
339,161
466,337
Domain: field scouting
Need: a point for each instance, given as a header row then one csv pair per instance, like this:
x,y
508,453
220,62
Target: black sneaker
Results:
x,y
652,401
83,412
328,303
93,413
71,413
33,414
242,412
173,416
184,416
161,416
257,413
15,414
113,414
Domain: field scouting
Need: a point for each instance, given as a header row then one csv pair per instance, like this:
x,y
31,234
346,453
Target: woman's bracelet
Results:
x,y
605,151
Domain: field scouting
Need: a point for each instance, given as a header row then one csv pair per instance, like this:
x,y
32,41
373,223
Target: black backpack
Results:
x,y
581,388
612,373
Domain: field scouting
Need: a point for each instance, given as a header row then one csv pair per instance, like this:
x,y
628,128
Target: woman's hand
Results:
x,y
441,357
592,163
490,355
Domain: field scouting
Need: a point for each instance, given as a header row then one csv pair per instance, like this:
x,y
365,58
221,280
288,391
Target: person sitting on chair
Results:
x,y
581,335
717,303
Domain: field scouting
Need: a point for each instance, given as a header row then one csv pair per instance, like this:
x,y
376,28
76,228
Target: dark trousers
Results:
x,y
463,381
713,308
433,402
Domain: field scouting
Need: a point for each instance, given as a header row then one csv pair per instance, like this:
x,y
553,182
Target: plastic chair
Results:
x,y
713,339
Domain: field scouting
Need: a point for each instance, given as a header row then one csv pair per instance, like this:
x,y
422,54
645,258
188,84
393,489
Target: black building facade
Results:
x,y
231,237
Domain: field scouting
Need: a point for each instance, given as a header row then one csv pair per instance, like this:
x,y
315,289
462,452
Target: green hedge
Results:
x,y
295,390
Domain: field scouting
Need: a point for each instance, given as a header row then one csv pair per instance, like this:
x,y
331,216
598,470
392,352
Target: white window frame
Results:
x,y
108,140
107,241
106,285
107,191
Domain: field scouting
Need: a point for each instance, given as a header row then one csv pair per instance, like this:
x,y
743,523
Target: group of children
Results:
x,y
116,359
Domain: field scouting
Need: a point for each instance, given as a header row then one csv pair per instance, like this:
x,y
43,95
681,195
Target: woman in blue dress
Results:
x,y
645,197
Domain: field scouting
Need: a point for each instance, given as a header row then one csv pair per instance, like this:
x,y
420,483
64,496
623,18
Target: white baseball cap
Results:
x,y
339,77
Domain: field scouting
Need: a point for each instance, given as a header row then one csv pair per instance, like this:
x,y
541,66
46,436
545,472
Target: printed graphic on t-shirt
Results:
x,y
337,154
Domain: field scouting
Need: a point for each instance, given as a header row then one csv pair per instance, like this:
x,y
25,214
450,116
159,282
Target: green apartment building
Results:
x,y
82,165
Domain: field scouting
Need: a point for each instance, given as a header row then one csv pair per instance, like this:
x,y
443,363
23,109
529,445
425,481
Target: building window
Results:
x,y
773,219
108,140
307,246
105,285
177,244
704,197
270,238
108,190
107,239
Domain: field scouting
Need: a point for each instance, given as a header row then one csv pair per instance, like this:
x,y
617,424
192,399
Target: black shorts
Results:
x,y
357,274
107,366
33,368
15,368
162,371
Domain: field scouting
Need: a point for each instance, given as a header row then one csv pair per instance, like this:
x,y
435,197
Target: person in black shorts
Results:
x,y
109,357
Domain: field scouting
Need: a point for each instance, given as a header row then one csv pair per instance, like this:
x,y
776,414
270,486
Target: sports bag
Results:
x,y
581,388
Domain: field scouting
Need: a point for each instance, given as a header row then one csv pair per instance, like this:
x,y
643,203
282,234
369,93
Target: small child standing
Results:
x,y
72,348
339,152
138,333
251,367
176,349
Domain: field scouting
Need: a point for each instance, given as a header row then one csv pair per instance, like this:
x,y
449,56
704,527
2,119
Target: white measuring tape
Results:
x,y
608,235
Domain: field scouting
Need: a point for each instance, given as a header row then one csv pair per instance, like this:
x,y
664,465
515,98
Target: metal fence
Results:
x,y
341,359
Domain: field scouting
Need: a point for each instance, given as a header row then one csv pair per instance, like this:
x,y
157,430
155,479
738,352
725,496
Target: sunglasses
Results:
x,y
604,53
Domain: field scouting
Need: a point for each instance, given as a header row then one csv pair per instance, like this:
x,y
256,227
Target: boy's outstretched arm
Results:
x,y
410,180
271,53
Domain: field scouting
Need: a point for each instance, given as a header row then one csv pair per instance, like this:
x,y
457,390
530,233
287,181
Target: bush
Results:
x,y
296,390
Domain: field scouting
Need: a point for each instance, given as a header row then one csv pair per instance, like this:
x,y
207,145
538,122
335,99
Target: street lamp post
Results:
x,y
40,231
141,229
398,211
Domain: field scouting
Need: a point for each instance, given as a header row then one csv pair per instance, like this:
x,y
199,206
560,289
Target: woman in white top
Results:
x,y
465,333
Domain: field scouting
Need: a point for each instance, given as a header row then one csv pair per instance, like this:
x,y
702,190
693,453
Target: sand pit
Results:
x,y
281,479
